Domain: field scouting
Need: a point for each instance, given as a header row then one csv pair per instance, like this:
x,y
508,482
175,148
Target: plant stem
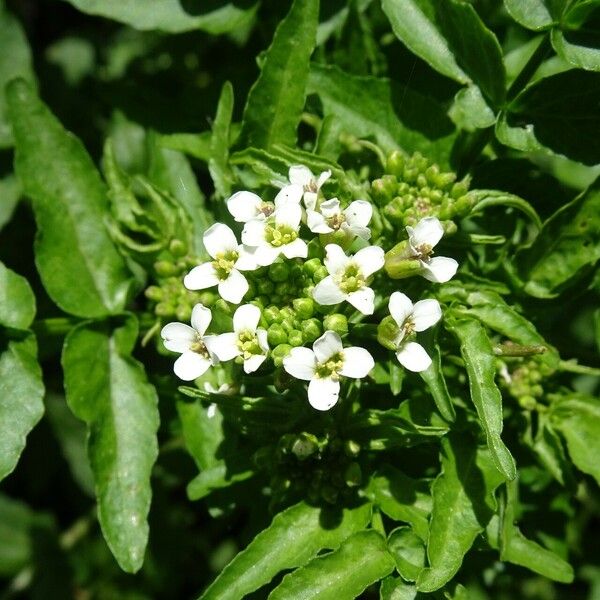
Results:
x,y
532,65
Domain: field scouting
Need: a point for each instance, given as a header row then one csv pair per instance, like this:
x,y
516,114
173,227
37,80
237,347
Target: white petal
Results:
x,y
357,362
426,313
191,365
370,259
322,178
288,214
201,318
363,300
316,222
265,255
261,336
359,213
335,259
428,231
310,200
300,175
330,208
200,277
412,356
178,337
253,363
219,238
254,233
400,307
246,260
244,206
246,318
289,194
223,346
327,292
361,232
234,287
439,269
300,363
328,345
323,394
295,249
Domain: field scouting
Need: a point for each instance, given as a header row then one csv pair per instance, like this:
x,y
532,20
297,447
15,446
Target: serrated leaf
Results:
x,y
463,504
360,561
218,164
108,389
567,246
17,302
294,537
276,100
21,397
477,353
401,498
78,262
170,15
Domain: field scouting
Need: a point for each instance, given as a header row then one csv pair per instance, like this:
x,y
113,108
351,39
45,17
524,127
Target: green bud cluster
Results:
x,y
525,384
170,299
320,468
413,188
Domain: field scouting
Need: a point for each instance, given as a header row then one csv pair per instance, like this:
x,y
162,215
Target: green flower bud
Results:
x,y
527,402
311,330
395,163
304,307
353,475
279,353
164,268
177,248
183,312
398,263
304,446
222,306
285,288
154,293
163,309
295,338
265,286
384,189
311,266
320,274
336,322
288,324
276,335
279,271
271,314
287,313
208,298
387,332
459,189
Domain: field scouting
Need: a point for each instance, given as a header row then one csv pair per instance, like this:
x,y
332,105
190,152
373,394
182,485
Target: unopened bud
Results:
x,y
279,272
351,448
305,446
311,330
320,274
153,293
183,312
387,333
271,314
395,163
336,322
177,248
310,266
165,268
295,338
304,307
276,335
279,353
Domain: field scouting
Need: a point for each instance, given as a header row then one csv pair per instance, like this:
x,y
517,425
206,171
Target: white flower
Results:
x,y
247,339
324,365
303,184
422,239
353,220
224,271
277,235
246,206
191,343
347,279
409,318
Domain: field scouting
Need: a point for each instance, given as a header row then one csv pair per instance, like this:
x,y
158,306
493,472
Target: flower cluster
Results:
x,y
302,269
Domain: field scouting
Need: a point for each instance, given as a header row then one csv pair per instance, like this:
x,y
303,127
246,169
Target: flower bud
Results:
x,y
164,268
154,293
311,330
395,163
276,335
222,306
398,265
279,353
183,312
163,309
295,338
387,333
320,274
336,322
265,286
310,266
304,446
177,248
279,271
304,307
207,298
271,314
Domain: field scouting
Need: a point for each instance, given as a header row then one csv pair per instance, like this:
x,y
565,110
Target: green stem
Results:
x,y
55,327
572,367
532,65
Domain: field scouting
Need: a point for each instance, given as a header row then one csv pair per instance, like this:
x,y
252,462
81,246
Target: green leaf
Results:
x,y
78,262
10,194
21,397
577,418
17,302
192,144
469,111
567,247
15,61
520,138
479,360
487,198
294,537
408,551
414,25
394,588
576,50
401,498
532,14
218,164
170,15
360,561
108,390
215,478
434,378
563,111
463,503
276,100
395,116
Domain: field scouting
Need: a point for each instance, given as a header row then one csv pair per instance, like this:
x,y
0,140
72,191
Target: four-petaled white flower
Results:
x,y
347,279
324,365
277,235
304,185
246,206
422,239
196,356
410,318
229,258
247,339
329,217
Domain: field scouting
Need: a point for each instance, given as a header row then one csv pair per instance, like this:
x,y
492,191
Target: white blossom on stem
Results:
x,y
410,318
304,185
422,238
325,365
191,343
245,206
247,339
329,217
229,258
347,279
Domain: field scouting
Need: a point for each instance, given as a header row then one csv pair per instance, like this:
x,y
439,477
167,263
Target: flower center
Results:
x,y
336,221
351,279
407,329
248,344
279,235
423,252
225,262
199,347
331,367
266,209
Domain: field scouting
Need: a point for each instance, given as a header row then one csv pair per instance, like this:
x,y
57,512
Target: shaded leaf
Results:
x,y
576,51
218,164
10,194
434,378
17,302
